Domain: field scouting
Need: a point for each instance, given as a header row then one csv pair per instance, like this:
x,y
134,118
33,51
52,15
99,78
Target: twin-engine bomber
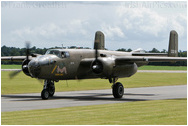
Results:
x,y
67,64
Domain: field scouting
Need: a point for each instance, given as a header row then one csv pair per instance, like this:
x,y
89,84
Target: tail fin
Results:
x,y
173,44
99,40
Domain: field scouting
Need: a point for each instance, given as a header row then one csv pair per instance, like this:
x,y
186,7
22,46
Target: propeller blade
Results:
x,y
27,50
14,73
96,51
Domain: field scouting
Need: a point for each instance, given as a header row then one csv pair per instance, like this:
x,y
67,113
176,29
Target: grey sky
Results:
x,y
125,24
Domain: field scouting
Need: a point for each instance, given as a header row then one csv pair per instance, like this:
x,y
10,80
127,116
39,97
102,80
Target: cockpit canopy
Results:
x,y
60,54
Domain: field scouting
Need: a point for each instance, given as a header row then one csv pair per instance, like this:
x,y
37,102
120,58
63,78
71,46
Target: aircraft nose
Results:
x,y
34,68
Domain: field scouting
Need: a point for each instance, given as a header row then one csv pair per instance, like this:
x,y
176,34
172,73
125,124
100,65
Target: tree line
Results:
x,y
13,51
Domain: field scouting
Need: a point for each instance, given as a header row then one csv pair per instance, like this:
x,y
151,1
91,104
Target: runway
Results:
x,y
20,102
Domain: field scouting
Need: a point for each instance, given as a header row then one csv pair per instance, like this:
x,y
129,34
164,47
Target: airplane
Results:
x,y
70,64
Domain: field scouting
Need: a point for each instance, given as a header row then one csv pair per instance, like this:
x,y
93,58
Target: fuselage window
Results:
x,y
58,53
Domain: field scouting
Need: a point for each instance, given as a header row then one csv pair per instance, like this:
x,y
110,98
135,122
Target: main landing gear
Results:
x,y
117,88
48,89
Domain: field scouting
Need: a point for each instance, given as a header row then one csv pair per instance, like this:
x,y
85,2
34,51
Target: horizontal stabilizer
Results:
x,y
150,54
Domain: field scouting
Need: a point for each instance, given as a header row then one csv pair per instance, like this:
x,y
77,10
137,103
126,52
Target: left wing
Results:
x,y
129,59
132,59
149,59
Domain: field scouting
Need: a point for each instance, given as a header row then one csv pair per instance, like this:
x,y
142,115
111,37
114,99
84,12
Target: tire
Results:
x,y
51,90
44,94
118,90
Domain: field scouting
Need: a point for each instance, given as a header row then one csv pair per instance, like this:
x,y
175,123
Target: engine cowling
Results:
x,y
25,67
107,68
103,66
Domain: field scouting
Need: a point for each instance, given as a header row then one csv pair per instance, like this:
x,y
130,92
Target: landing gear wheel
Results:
x,y
48,89
118,90
45,94
51,90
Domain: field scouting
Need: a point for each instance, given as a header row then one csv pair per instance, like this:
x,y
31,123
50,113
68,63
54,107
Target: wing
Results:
x,y
129,59
84,69
15,58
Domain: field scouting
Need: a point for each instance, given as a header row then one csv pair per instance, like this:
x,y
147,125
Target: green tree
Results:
x,y
154,50
122,49
129,50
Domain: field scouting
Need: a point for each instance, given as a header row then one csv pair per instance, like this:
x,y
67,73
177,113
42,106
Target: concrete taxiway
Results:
x,y
20,102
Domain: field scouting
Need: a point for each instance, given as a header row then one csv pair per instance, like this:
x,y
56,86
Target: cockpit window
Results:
x,y
58,53
54,52
65,54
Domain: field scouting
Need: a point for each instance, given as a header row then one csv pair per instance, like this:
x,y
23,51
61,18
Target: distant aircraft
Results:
x,y
70,64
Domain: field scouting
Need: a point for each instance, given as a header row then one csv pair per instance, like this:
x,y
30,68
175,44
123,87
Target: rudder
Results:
x,y
173,44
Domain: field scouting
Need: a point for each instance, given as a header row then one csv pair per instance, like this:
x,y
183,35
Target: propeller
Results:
x,y
96,51
24,67
14,73
27,50
97,65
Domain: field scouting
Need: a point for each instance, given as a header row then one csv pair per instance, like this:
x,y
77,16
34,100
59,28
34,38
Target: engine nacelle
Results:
x,y
125,70
25,67
103,66
107,68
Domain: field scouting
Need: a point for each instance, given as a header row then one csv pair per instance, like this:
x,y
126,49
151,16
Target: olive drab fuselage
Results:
x,y
58,67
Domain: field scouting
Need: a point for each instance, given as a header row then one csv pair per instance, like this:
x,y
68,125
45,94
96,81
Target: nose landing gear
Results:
x,y
48,89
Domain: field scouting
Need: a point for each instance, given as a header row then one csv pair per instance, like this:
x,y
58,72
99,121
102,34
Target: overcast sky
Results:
x,y
125,24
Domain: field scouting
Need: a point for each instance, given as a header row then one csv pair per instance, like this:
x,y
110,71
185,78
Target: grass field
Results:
x,y
11,66
159,112
25,84
149,67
